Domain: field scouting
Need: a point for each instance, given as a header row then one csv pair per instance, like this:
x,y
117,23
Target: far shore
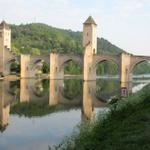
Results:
x,y
69,76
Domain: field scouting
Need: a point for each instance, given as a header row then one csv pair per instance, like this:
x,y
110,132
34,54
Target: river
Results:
x,y
36,114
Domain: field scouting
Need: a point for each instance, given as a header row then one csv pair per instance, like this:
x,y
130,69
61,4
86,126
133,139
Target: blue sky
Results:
x,y
125,23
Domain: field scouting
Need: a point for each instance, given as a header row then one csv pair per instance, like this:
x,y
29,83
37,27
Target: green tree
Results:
x,y
35,51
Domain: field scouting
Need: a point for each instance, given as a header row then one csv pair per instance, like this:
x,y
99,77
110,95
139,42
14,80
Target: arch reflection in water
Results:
x,y
37,97
40,97
107,89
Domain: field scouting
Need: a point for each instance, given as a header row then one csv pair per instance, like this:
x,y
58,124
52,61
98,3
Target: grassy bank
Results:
x,y
126,127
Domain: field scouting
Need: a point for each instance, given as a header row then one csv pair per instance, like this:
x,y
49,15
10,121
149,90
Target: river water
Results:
x,y
36,114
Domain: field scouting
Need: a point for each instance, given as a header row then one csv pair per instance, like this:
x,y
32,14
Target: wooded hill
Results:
x,y
38,38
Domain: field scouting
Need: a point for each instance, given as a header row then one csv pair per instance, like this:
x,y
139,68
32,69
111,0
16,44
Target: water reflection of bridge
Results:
x,y
51,92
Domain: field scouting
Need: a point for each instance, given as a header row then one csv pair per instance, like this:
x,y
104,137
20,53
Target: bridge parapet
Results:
x,y
73,53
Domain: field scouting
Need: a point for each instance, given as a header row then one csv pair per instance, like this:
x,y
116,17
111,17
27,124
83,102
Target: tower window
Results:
x,y
94,50
0,34
87,34
90,69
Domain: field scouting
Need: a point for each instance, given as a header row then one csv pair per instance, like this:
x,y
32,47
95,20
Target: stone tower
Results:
x,y
90,47
90,34
5,43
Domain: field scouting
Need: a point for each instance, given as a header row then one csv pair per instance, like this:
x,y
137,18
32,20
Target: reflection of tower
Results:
x,y
24,90
4,109
88,110
5,42
54,92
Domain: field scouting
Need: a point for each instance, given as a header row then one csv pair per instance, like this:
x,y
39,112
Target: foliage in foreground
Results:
x,y
126,127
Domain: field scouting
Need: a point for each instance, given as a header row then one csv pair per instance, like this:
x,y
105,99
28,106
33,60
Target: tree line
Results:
x,y
38,38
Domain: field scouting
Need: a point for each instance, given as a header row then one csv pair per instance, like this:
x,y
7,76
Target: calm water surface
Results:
x,y
36,114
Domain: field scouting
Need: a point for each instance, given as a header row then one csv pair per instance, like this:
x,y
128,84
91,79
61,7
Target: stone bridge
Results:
x,y
31,91
30,65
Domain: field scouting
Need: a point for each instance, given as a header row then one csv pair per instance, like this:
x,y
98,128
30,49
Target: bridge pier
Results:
x,y
125,74
24,90
25,66
89,72
53,92
55,73
6,70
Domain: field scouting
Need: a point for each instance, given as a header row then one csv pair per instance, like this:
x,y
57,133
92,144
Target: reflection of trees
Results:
x,y
45,67
73,68
107,68
106,89
142,68
41,88
72,89
14,87
15,67
2,128
41,68
40,108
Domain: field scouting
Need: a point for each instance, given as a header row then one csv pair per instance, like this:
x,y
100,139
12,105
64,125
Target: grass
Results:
x,y
126,127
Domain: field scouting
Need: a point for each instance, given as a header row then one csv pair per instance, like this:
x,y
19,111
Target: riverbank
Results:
x,y
126,127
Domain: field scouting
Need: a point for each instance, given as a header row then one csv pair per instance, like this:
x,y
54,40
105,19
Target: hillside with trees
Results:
x,y
38,38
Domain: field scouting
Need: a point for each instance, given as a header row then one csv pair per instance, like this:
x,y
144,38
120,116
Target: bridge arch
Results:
x,y
40,91
77,60
71,61
34,90
37,64
98,59
10,64
70,97
107,89
139,68
137,62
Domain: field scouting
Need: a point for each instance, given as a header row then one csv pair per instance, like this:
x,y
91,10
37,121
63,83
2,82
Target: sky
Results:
x,y
125,23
